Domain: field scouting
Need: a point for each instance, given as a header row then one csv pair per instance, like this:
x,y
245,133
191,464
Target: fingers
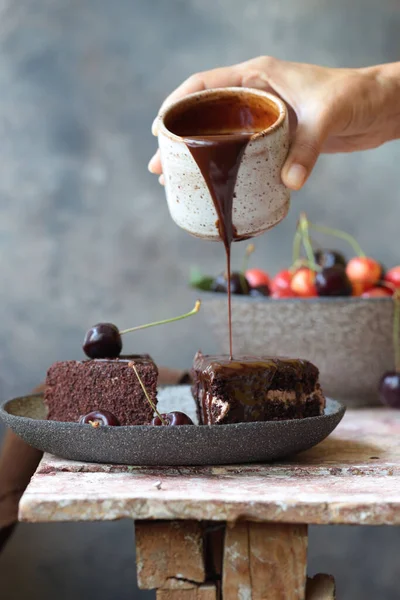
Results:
x,y
303,155
222,77
216,78
294,83
154,165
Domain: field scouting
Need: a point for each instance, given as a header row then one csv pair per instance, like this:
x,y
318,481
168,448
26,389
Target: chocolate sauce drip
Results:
x,y
216,131
218,158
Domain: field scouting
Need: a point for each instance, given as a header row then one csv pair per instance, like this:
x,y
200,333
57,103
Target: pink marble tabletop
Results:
x,y
352,477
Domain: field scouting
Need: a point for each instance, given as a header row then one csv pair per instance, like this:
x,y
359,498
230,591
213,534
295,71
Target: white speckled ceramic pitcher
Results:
x,y
260,200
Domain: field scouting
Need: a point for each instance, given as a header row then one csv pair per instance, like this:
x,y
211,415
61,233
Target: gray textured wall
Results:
x,y
84,229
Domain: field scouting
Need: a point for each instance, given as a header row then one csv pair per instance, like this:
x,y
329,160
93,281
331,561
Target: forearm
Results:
x,y
387,77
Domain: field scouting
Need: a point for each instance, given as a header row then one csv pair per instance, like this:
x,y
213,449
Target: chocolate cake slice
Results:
x,y
74,388
250,388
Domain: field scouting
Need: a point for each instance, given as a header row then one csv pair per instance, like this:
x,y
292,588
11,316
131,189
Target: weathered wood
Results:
x,y
214,534
278,560
169,554
236,577
352,477
321,587
265,560
203,592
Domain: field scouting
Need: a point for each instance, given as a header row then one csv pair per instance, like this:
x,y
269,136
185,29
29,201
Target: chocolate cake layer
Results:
x,y
74,388
250,388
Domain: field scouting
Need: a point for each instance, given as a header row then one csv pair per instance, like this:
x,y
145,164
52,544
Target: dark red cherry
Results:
x,y
239,284
103,341
329,258
173,418
98,418
383,271
259,290
333,281
389,389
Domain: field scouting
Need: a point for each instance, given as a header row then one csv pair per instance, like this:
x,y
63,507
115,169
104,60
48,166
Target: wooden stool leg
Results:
x,y
203,592
169,554
236,567
265,560
321,587
170,558
213,550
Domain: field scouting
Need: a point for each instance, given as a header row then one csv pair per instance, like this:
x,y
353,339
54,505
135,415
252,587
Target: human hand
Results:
x,y
330,110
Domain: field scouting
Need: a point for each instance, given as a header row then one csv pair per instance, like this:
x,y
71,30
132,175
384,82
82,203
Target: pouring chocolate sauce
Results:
x,y
217,133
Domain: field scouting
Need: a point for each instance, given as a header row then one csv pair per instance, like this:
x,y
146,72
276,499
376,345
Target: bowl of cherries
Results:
x,y
340,313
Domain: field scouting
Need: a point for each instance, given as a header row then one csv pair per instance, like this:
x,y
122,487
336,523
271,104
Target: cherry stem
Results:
x,y
340,234
303,225
297,260
146,393
301,262
396,329
249,251
296,246
165,321
242,275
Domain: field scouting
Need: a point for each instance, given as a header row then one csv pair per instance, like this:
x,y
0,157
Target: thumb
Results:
x,y
303,154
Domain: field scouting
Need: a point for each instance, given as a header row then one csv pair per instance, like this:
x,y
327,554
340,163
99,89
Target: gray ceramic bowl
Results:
x,y
349,339
184,445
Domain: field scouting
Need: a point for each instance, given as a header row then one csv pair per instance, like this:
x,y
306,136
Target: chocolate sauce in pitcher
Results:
x,y
217,130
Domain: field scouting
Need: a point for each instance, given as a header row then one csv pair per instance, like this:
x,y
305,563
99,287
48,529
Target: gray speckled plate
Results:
x,y
184,445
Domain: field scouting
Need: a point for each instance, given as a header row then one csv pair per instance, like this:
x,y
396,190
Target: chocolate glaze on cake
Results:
x,y
74,388
251,388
